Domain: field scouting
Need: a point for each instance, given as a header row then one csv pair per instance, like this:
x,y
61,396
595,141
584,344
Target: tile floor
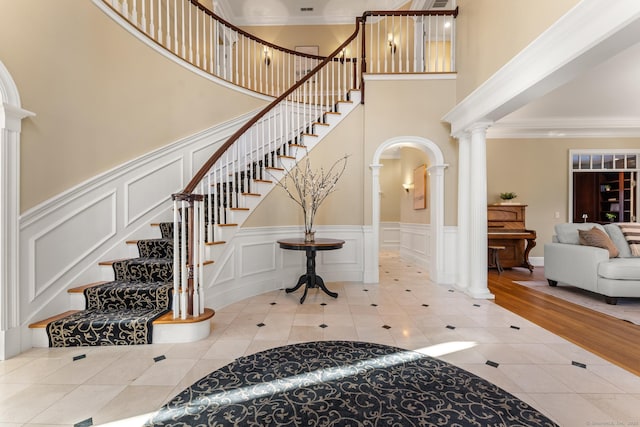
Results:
x,y
120,385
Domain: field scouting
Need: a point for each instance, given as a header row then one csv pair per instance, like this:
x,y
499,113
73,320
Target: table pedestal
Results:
x,y
310,278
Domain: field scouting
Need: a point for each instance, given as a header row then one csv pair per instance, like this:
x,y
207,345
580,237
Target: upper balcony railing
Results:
x,y
407,41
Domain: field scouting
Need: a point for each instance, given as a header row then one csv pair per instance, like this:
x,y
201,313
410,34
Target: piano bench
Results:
x,y
494,257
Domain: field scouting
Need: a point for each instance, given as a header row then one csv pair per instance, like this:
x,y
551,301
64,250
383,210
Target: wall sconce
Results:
x,y
392,45
342,55
407,187
267,58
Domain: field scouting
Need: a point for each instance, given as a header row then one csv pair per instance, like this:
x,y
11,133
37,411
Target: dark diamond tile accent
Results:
x,y
451,327
366,290
517,328
579,365
374,305
395,280
419,272
86,423
425,305
451,290
407,290
493,364
476,305
323,304
159,358
273,303
260,325
324,326
386,326
81,356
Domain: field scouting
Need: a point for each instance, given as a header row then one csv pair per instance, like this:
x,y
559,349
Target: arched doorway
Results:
x,y
436,200
11,115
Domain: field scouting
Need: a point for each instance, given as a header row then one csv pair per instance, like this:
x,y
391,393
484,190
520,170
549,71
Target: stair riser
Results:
x,y
162,333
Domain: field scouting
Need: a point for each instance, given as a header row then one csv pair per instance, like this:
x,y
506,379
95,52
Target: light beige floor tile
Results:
x,y
570,409
79,405
623,408
581,380
165,372
534,379
131,402
28,403
227,348
121,371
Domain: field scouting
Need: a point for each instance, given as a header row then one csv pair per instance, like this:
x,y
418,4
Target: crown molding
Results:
x,y
591,127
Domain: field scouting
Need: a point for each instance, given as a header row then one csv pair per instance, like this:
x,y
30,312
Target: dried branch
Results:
x,y
309,188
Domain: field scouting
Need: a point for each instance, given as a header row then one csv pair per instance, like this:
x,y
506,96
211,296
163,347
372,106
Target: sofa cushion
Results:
x,y
599,239
568,232
631,232
620,269
613,230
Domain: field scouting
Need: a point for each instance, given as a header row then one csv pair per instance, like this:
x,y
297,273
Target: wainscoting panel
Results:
x,y
415,243
263,266
258,258
63,239
149,190
50,258
389,236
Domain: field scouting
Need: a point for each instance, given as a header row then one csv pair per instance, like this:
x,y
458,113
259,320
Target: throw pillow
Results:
x,y
631,231
599,239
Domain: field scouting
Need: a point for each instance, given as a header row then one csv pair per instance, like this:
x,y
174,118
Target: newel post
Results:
x,y
187,223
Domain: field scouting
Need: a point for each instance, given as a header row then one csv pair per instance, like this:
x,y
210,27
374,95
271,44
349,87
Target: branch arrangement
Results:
x,y
308,187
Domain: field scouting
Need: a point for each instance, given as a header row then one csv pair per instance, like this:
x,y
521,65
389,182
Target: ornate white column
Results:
x,y
11,116
464,212
478,213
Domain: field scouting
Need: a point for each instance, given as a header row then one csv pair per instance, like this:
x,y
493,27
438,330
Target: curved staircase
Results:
x,y
159,296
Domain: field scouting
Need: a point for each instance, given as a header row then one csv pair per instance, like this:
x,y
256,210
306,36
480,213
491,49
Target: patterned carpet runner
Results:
x,y
121,312
344,383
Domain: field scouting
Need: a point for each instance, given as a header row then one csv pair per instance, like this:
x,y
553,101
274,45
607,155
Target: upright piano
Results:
x,y
507,228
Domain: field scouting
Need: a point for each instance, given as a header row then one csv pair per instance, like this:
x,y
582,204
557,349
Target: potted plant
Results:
x,y
507,198
610,216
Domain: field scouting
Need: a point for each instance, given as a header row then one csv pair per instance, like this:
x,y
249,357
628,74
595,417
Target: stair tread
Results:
x,y
239,209
80,289
252,194
263,180
333,112
283,156
321,124
274,168
43,323
228,225
219,242
310,134
168,318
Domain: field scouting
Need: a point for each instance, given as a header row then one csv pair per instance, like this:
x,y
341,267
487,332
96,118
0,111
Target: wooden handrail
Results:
x,y
453,13
209,164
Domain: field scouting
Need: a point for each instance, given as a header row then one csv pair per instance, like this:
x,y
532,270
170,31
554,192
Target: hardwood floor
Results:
x,y
610,338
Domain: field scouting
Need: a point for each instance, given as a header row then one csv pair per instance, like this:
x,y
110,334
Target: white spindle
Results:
x,y
152,24
182,28
200,289
183,262
196,256
197,11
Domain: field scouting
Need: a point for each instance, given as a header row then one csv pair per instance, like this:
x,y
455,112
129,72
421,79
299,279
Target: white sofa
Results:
x,y
590,268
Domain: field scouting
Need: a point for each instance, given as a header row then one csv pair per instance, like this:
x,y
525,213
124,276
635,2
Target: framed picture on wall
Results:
x,y
304,65
420,187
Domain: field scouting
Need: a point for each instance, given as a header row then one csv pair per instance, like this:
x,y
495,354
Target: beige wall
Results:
x,y
101,96
410,159
491,32
391,192
344,206
538,171
411,108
